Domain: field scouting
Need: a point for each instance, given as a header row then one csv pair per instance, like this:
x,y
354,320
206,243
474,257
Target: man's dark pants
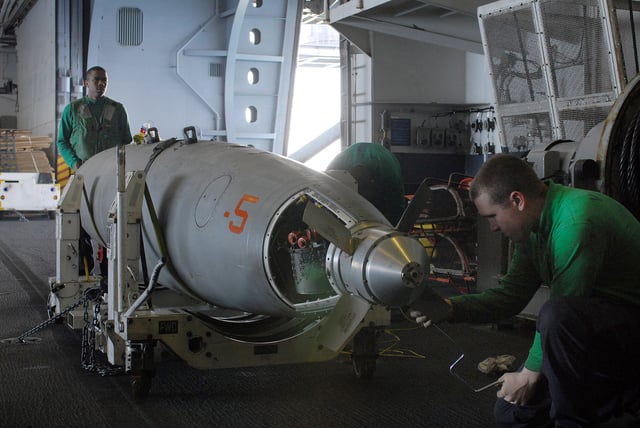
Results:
x,y
591,365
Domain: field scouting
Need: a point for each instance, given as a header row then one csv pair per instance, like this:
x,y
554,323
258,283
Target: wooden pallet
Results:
x,y
22,152
24,143
33,161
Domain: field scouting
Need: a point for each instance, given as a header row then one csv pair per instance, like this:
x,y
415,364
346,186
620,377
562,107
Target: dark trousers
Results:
x,y
85,254
591,356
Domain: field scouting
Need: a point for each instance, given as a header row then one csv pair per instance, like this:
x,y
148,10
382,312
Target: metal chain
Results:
x,y
54,319
88,358
88,353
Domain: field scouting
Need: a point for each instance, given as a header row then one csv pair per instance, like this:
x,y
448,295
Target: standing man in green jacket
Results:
x,y
585,246
88,126
92,123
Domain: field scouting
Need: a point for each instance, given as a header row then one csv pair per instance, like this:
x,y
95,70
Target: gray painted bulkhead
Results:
x,y
171,65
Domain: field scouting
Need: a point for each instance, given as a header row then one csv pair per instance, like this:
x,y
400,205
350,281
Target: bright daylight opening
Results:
x,y
316,95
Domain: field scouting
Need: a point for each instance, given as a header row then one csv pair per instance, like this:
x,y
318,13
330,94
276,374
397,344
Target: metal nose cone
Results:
x,y
387,268
395,269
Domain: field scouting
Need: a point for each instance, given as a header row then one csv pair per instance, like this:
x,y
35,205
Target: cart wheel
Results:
x,y
140,385
363,367
141,366
364,354
51,308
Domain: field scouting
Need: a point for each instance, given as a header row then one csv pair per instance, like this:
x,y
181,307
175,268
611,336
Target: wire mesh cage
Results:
x,y
557,66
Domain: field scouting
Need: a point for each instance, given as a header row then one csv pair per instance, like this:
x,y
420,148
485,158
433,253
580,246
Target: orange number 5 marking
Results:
x,y
241,213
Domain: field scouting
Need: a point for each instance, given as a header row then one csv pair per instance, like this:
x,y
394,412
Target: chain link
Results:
x,y
88,357
54,319
88,347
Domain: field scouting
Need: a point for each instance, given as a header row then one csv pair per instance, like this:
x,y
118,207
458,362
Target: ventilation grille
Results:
x,y
129,26
216,69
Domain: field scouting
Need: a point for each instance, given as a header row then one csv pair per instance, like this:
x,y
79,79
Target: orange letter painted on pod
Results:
x,y
241,213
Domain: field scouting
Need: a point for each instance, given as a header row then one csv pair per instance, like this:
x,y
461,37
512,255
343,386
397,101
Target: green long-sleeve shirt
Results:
x,y
586,244
89,126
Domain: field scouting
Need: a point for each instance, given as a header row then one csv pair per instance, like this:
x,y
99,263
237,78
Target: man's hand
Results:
x,y
420,318
518,387
430,308
78,164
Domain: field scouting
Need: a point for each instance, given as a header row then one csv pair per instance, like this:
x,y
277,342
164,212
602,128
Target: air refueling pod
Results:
x,y
256,232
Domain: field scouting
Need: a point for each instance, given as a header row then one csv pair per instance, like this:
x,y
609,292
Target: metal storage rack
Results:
x,y
8,159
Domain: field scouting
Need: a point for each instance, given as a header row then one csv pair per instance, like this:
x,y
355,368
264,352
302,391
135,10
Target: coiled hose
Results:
x,y
626,180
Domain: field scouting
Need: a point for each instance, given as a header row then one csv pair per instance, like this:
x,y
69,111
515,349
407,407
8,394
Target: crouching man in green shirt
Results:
x,y
585,246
